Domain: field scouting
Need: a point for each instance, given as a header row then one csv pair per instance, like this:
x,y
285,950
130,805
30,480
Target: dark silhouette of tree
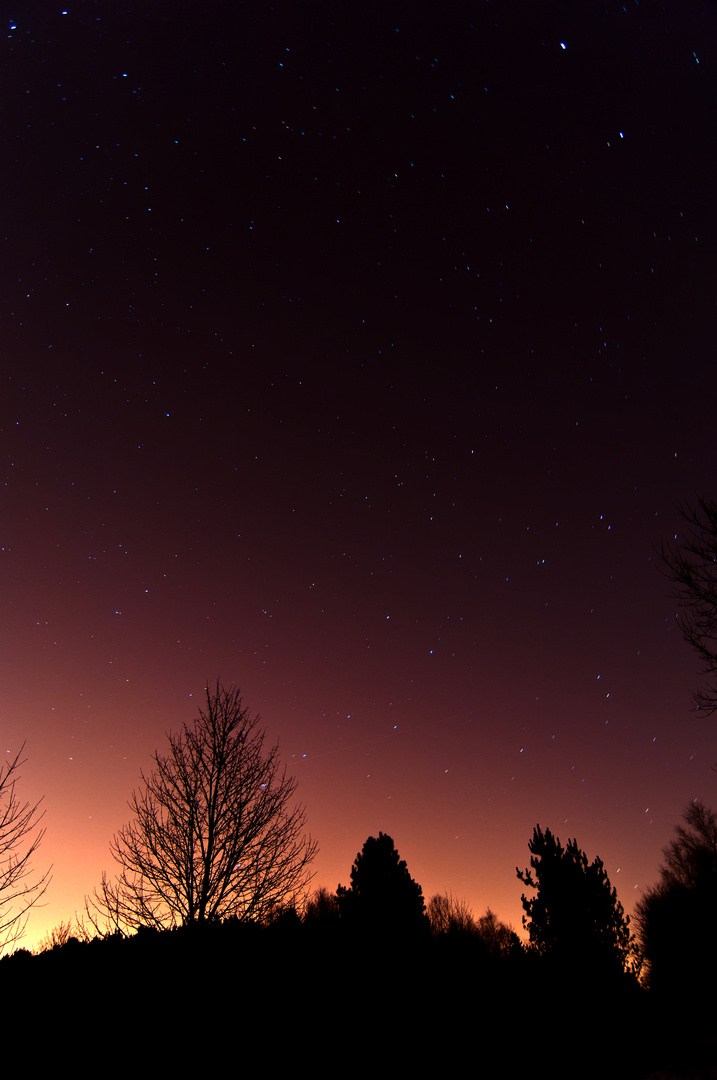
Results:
x,y
575,918
322,908
499,938
675,918
692,566
691,858
449,915
58,936
214,832
382,897
20,838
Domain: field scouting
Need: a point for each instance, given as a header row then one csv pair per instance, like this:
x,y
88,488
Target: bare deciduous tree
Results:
x,y
59,936
322,907
214,831
499,938
692,566
449,915
20,838
692,856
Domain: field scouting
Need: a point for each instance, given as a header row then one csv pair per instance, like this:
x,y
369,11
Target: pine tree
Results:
x,y
575,918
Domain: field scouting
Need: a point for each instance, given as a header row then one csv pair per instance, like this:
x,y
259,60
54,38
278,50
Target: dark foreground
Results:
x,y
235,997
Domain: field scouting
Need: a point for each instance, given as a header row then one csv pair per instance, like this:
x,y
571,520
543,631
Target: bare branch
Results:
x,y
58,936
213,832
18,843
692,566
450,915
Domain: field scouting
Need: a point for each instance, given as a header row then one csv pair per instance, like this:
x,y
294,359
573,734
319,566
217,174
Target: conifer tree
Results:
x,y
575,918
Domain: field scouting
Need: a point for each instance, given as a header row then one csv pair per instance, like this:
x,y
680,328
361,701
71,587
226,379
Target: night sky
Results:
x,y
359,354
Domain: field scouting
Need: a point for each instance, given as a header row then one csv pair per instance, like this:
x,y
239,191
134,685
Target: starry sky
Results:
x,y
359,355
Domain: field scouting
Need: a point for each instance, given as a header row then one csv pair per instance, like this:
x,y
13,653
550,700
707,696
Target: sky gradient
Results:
x,y
358,355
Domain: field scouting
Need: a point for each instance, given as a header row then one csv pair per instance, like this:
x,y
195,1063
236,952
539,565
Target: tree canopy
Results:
x,y
382,896
683,901
575,916
214,833
448,914
691,857
691,565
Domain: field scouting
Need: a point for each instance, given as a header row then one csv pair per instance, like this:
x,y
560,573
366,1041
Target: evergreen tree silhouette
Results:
x,y
575,918
383,897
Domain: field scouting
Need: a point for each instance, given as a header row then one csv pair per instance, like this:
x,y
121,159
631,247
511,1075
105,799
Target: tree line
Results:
x,y
216,835
216,838
213,888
